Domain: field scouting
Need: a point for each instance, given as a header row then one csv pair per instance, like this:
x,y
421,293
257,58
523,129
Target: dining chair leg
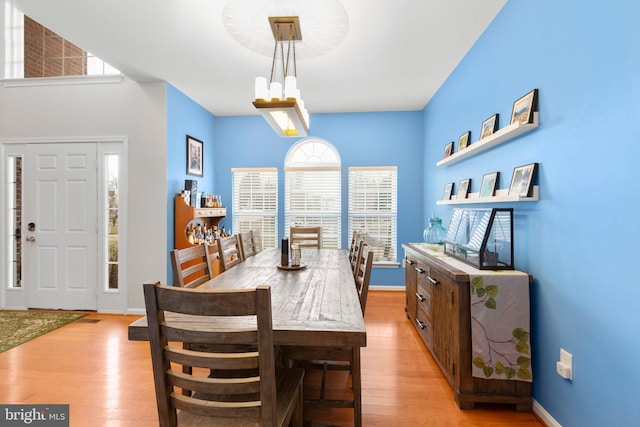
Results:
x,y
357,388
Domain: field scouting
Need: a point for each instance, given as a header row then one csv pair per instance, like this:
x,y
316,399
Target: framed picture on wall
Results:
x,y
524,107
489,184
448,190
463,141
489,126
195,156
522,180
448,150
463,188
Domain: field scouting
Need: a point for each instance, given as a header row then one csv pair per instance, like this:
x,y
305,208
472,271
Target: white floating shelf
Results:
x,y
500,136
501,196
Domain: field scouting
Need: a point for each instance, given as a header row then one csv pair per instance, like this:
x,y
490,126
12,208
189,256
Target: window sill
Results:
x,y
386,264
62,81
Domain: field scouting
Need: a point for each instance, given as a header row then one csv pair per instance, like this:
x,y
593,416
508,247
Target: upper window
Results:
x,y
32,50
313,189
255,204
373,209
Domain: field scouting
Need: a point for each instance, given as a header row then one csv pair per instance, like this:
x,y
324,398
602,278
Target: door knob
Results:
x,y
31,239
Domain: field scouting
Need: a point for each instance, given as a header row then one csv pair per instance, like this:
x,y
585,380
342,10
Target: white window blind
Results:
x,y
373,209
255,204
312,198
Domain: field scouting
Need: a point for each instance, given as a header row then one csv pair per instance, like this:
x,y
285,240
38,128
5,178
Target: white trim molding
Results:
x,y
62,80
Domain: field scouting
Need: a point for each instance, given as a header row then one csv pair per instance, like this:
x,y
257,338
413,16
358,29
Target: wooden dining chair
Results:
x,y
218,394
352,246
213,257
363,274
355,259
306,237
328,358
248,244
230,252
190,266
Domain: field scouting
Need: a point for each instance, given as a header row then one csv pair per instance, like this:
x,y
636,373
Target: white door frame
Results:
x,y
109,301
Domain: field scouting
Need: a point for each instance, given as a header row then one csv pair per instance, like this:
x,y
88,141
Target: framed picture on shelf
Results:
x,y
524,107
195,156
463,141
463,188
448,190
522,180
448,150
489,126
489,184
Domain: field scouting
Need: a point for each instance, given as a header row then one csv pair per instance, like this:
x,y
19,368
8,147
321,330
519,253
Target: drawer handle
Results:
x,y
420,324
409,261
419,270
432,280
420,297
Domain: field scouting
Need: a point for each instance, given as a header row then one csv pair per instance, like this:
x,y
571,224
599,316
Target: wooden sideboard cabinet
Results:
x,y
438,304
186,215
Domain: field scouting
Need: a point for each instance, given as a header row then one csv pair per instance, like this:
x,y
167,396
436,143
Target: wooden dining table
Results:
x,y
317,305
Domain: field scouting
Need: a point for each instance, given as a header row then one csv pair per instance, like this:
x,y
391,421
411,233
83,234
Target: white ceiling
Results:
x,y
395,56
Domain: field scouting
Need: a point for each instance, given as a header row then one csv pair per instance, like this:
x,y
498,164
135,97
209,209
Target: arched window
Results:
x,y
312,189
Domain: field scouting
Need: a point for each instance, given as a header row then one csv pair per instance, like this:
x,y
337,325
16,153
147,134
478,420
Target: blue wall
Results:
x,y
185,117
362,139
580,240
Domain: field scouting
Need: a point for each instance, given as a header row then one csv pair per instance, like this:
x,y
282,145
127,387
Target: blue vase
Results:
x,y
436,232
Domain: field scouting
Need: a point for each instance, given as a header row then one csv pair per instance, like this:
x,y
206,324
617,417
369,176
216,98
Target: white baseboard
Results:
x,y
544,415
386,288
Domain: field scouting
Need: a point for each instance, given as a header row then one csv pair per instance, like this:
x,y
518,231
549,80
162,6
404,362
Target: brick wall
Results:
x,y
46,54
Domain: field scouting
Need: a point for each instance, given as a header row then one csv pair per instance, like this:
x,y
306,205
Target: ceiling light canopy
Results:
x,y
278,99
325,24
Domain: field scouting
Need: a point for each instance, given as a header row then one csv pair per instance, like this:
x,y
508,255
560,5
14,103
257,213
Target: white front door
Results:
x,y
60,226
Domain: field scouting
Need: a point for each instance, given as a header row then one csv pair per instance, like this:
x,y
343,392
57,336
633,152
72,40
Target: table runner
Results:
x,y
500,328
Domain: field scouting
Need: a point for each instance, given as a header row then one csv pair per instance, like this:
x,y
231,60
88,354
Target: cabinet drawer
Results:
x,y
209,212
423,295
424,327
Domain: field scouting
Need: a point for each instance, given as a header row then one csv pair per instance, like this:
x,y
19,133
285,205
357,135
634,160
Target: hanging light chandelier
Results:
x,y
278,99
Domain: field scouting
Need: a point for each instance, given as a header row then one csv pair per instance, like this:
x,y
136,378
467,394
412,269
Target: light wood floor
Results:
x,y
107,381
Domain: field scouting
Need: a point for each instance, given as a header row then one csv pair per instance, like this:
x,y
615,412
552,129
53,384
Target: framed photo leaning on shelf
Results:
x,y
489,126
489,184
463,189
463,141
522,180
448,150
195,156
448,190
524,107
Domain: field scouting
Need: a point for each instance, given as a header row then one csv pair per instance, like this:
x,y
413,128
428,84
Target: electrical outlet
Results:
x,y
564,367
566,358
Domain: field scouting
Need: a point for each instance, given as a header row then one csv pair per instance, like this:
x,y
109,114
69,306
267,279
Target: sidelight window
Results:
x,y
14,223
112,218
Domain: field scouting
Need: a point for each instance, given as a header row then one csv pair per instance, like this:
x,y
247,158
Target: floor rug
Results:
x,y
17,327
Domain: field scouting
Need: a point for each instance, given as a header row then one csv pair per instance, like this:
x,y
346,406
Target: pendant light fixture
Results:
x,y
278,99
